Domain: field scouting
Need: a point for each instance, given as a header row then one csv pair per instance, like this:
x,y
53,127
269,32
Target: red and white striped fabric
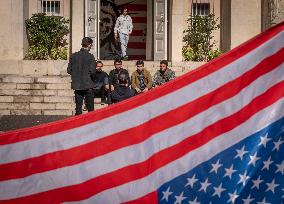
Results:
x,y
136,48
125,152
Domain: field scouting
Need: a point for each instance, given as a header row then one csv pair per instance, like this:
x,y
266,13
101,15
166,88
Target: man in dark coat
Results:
x,y
113,74
100,79
81,67
122,91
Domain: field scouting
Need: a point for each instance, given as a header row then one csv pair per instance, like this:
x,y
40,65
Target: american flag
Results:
x,y
214,135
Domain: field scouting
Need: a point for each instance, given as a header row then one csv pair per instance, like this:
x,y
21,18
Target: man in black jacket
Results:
x,y
100,79
122,91
81,67
113,74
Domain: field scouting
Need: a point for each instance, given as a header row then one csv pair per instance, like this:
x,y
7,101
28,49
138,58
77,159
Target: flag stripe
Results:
x,y
125,138
180,98
160,159
103,165
137,7
40,131
139,19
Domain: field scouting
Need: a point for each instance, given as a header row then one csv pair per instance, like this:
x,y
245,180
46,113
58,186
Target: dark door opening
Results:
x,y
109,11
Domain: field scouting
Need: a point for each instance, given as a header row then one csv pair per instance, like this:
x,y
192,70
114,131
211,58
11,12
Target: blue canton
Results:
x,y
250,172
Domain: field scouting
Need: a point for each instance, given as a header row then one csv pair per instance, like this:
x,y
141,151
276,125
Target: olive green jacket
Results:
x,y
140,80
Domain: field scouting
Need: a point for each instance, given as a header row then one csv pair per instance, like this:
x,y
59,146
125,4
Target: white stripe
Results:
x,y
139,188
139,26
102,128
140,152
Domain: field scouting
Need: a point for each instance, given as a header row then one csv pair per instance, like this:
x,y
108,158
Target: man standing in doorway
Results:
x,y
81,67
122,29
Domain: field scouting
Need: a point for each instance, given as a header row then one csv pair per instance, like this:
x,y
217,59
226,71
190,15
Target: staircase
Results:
x,y
43,87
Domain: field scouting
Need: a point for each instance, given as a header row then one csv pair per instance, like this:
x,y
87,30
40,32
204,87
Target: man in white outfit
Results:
x,y
122,29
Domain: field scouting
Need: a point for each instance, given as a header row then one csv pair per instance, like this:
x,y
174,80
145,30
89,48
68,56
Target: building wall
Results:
x,y
245,20
11,29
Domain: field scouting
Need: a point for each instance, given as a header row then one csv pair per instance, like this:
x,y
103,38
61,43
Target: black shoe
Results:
x,y
125,57
103,101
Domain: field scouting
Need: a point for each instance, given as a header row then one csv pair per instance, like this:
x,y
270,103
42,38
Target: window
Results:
x,y
51,7
201,9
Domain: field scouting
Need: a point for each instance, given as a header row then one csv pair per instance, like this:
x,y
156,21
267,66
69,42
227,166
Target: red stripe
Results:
x,y
136,7
138,33
149,198
139,133
160,159
190,77
137,45
136,57
139,19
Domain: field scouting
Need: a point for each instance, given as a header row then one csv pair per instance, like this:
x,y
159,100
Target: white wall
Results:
x,y
11,29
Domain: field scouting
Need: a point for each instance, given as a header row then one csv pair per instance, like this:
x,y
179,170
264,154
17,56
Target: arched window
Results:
x,y
51,7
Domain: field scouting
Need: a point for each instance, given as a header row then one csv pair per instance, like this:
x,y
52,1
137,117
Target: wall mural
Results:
x,y
110,10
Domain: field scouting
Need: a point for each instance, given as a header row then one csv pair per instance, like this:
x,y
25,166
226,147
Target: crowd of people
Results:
x,y
90,81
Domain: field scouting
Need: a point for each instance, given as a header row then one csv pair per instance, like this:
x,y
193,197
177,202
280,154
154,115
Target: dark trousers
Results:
x,y
79,98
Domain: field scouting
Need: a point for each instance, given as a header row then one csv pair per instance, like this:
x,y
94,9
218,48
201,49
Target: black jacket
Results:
x,y
113,76
100,78
121,93
81,66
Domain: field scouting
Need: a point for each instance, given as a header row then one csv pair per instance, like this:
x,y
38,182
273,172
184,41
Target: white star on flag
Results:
x,y
264,140
280,168
267,164
263,201
253,159
191,181
179,198
256,183
241,153
230,171
271,186
215,167
204,185
233,197
218,190
277,144
243,178
194,201
166,194
248,200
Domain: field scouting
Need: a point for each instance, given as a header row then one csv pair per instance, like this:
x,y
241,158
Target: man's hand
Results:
x,y
137,90
116,37
145,90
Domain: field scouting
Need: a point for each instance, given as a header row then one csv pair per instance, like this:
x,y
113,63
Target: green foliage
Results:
x,y
37,53
58,53
46,33
198,38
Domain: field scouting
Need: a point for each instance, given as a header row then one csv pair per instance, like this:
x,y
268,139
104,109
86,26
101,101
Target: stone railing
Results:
x,y
43,87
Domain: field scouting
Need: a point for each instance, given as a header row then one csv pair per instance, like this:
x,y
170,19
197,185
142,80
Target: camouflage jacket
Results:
x,y
160,78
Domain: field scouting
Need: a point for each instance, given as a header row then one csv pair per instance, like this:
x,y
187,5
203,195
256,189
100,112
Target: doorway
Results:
x,y
149,34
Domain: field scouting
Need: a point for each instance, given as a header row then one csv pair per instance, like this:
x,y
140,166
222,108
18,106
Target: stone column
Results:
x,y
77,23
178,15
245,20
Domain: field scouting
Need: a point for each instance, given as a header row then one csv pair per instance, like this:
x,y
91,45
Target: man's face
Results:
x,y
118,65
89,47
99,67
163,67
124,12
140,68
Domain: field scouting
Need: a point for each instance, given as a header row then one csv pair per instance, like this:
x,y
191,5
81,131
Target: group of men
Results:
x,y
89,79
